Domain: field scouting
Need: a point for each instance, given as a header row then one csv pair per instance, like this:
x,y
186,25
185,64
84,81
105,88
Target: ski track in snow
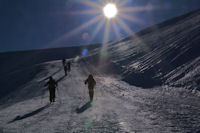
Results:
x,y
117,107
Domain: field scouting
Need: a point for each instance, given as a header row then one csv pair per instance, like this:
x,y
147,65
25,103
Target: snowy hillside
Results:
x,y
11,61
144,85
167,53
17,68
117,106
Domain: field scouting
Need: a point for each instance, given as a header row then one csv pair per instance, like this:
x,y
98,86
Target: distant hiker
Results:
x,y
52,88
65,69
91,83
68,66
63,62
64,66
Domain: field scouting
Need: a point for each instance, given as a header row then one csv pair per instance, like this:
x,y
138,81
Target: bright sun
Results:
x,y
110,15
110,10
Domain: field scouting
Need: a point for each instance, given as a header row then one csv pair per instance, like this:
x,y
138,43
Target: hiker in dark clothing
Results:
x,y
91,83
65,69
64,66
69,66
63,62
52,88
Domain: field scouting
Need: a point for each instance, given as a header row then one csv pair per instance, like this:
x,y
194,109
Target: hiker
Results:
x,y
65,69
63,62
69,66
91,83
52,88
64,66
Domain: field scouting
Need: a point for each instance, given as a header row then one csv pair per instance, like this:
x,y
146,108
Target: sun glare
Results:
x,y
104,12
110,10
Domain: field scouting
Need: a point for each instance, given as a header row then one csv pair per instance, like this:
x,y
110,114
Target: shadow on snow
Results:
x,y
17,118
83,108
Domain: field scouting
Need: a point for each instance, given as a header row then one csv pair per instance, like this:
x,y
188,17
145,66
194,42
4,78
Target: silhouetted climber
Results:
x,y
91,83
64,66
64,62
65,69
69,66
52,88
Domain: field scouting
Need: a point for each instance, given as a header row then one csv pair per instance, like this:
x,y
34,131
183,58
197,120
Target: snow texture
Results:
x,y
146,83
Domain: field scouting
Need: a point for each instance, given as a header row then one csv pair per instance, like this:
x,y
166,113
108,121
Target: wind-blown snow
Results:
x,y
117,106
144,84
153,56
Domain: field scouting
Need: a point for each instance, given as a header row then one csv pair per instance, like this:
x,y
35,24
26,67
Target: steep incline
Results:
x,y
165,53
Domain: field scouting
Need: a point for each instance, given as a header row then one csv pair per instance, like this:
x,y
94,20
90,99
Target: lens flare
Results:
x,y
84,53
85,36
109,15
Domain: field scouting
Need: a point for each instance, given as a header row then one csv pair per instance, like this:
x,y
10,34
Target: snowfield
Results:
x,y
146,83
117,106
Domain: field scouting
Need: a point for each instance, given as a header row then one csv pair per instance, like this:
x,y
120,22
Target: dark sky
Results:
x,y
33,24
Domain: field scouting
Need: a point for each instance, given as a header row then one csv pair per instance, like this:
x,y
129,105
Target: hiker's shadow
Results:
x,y
83,108
17,118
60,79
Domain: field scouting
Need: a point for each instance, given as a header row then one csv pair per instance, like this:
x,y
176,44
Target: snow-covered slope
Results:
x,y
167,53
17,68
12,61
163,58
117,106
